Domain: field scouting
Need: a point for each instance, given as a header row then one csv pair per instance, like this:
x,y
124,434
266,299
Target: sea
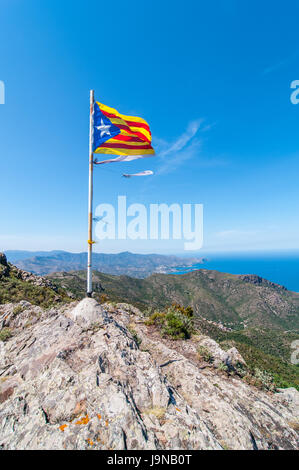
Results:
x,y
281,268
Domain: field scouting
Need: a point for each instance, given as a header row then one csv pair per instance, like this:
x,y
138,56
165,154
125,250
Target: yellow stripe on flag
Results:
x,y
143,131
115,140
122,116
121,151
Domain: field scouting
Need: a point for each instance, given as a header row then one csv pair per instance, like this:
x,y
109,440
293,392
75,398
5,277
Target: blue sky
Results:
x,y
212,79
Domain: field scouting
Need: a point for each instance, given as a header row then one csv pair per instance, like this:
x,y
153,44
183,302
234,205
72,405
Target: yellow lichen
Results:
x,y
84,420
156,411
62,427
294,424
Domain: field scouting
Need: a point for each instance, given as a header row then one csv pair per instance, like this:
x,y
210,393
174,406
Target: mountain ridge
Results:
x,y
237,299
134,264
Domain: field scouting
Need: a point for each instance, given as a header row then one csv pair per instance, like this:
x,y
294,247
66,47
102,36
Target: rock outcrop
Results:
x,y
7,269
260,281
95,376
4,268
3,259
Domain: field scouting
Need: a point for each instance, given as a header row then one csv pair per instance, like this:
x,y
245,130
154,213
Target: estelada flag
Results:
x,y
117,134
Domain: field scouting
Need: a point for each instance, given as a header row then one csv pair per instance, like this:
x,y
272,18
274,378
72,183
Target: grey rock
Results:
x,y
230,358
86,313
3,259
76,379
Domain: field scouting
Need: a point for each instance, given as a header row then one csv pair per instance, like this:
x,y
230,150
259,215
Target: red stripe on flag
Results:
x,y
127,138
125,146
130,123
128,129
139,124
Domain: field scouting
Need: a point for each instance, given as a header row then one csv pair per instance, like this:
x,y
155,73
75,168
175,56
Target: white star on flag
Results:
x,y
103,128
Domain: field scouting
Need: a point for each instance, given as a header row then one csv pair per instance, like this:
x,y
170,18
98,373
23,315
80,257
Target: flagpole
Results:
x,y
90,197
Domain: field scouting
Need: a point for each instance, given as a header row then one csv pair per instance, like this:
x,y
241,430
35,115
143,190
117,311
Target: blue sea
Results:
x,y
282,268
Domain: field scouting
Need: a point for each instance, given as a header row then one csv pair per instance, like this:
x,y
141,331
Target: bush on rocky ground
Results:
x,y
5,334
204,354
176,322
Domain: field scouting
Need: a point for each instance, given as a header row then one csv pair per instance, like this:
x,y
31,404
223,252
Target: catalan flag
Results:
x,y
117,134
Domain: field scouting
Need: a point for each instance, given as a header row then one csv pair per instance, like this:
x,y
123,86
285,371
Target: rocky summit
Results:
x,y
98,376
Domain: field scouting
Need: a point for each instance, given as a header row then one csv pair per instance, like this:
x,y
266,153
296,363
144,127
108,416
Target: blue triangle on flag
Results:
x,y
103,129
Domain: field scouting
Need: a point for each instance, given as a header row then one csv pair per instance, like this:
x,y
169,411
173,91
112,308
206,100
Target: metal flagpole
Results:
x,y
90,196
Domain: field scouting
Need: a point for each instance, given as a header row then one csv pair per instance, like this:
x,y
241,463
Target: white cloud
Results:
x,y
183,140
183,148
186,147
180,157
280,64
236,234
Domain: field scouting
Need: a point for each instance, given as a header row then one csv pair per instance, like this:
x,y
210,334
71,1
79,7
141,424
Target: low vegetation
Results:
x,y
18,309
222,367
5,334
14,290
135,335
263,370
205,355
175,321
157,412
261,379
259,353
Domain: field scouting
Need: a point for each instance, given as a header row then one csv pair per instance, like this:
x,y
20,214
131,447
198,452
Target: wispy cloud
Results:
x,y
185,147
180,157
183,140
236,233
280,64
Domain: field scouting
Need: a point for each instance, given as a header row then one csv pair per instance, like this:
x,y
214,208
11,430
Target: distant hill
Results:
x,y
237,301
17,285
20,255
133,264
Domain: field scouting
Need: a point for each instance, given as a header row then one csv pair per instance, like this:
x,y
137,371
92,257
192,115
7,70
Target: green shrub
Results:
x,y
205,354
157,318
264,378
175,321
18,309
136,338
147,312
223,367
5,334
103,298
240,370
187,311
